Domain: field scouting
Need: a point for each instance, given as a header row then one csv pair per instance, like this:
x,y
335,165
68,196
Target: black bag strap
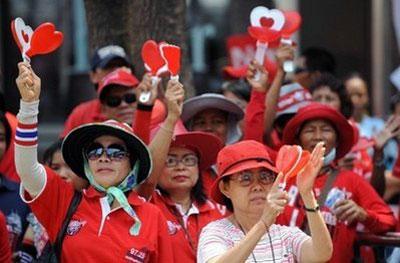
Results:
x,y
324,194
76,199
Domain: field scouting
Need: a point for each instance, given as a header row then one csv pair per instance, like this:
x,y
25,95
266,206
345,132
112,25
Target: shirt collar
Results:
x,y
133,198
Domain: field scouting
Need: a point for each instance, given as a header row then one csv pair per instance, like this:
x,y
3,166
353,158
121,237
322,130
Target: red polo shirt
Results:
x,y
380,217
185,240
95,234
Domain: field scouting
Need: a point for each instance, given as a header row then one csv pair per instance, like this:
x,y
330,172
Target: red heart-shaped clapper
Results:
x,y
45,39
286,158
292,23
151,56
263,34
291,160
172,54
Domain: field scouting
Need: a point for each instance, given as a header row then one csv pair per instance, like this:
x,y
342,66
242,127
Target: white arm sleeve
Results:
x,y
31,172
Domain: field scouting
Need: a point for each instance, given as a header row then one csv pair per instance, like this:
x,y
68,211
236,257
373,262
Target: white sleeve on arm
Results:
x,y
213,242
31,172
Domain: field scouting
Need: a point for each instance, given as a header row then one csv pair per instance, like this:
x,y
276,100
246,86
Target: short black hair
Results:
x,y
394,100
51,150
240,88
226,201
336,86
319,59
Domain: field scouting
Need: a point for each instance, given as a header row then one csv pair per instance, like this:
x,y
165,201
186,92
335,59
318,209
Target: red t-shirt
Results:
x,y
7,163
5,248
380,217
95,234
185,240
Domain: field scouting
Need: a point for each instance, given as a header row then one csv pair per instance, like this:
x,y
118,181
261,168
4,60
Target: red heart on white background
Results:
x,y
261,16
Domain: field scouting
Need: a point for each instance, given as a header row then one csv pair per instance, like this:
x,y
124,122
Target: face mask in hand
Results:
x,y
330,157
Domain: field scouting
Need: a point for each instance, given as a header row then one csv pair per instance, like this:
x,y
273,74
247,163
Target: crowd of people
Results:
x,y
195,180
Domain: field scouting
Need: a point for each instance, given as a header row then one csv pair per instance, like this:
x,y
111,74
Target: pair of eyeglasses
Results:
x,y
188,160
114,152
114,101
246,178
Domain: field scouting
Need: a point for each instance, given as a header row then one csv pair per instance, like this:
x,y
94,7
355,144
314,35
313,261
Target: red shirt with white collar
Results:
x,y
380,218
96,234
184,230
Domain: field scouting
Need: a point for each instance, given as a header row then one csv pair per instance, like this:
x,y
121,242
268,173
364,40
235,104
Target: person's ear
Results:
x,y
224,188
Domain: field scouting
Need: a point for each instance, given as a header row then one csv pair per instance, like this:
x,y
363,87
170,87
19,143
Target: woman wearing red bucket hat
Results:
x,y
109,221
247,185
180,194
343,196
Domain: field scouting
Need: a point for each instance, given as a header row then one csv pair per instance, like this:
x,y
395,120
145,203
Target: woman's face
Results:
x,y
181,171
108,170
61,168
326,96
3,142
358,92
248,189
315,131
213,121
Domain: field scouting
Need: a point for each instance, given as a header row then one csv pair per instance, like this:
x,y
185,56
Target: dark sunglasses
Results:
x,y
114,101
114,152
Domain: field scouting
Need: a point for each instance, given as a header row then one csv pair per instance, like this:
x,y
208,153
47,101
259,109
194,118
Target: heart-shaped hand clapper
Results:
x,y
261,16
43,40
291,160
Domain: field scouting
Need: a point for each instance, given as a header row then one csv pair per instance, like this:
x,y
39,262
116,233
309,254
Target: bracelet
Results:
x,y
312,210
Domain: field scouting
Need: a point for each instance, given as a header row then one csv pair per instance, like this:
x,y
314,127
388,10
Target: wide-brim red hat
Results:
x,y
234,158
345,133
204,144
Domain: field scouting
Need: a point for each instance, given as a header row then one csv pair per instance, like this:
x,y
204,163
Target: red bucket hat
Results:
x,y
117,77
204,144
237,157
314,111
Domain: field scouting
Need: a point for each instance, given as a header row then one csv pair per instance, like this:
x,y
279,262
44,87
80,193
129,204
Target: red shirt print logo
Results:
x,y
75,226
173,227
137,256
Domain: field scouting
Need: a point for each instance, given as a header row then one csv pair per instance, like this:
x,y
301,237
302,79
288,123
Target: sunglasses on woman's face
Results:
x,y
114,101
114,152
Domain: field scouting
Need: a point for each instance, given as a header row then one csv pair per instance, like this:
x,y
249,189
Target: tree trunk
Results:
x,y
130,23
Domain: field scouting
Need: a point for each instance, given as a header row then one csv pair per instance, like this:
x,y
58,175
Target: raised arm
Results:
x,y
274,205
159,146
285,52
319,247
32,173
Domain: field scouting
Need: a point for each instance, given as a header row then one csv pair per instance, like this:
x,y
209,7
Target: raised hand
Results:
x,y
275,202
28,83
284,53
392,129
348,211
174,96
261,82
146,85
306,178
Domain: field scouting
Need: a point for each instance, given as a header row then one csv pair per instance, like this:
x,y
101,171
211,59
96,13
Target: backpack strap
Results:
x,y
76,199
324,194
